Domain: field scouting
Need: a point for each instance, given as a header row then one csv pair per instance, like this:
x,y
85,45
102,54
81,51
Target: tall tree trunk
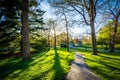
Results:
x,y
112,43
66,22
54,38
21,43
55,42
93,39
116,16
49,41
25,29
68,49
92,14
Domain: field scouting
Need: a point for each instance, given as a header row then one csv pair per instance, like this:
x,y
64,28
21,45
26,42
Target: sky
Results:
x,y
49,11
50,14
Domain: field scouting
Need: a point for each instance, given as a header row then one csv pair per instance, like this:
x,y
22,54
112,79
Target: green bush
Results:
x,y
40,44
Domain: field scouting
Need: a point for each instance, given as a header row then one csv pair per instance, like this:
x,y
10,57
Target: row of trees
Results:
x,y
89,10
19,17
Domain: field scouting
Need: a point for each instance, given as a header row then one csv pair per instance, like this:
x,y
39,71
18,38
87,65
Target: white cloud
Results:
x,y
45,6
49,11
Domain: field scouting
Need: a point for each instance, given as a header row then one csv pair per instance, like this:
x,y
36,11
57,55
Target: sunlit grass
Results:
x,y
44,66
105,65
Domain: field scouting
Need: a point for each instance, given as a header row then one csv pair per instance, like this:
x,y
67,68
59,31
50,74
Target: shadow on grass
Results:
x,y
11,65
100,71
59,72
108,57
108,70
106,75
57,68
15,68
105,64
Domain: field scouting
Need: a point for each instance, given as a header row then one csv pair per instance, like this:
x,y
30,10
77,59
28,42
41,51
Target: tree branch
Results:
x,y
83,15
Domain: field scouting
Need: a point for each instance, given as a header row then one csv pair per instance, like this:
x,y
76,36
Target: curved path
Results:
x,y
79,70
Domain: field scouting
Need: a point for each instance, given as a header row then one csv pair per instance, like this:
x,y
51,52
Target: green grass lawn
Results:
x,y
84,46
105,65
54,66
43,66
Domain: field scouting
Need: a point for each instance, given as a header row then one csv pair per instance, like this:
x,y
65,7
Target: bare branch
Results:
x,y
83,15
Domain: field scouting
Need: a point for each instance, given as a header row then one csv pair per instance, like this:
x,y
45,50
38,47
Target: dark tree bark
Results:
x,y
93,38
67,30
54,38
112,43
51,24
21,42
92,14
68,49
116,15
49,39
25,33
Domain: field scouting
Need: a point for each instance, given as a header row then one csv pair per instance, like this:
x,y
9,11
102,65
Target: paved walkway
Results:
x,y
79,70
